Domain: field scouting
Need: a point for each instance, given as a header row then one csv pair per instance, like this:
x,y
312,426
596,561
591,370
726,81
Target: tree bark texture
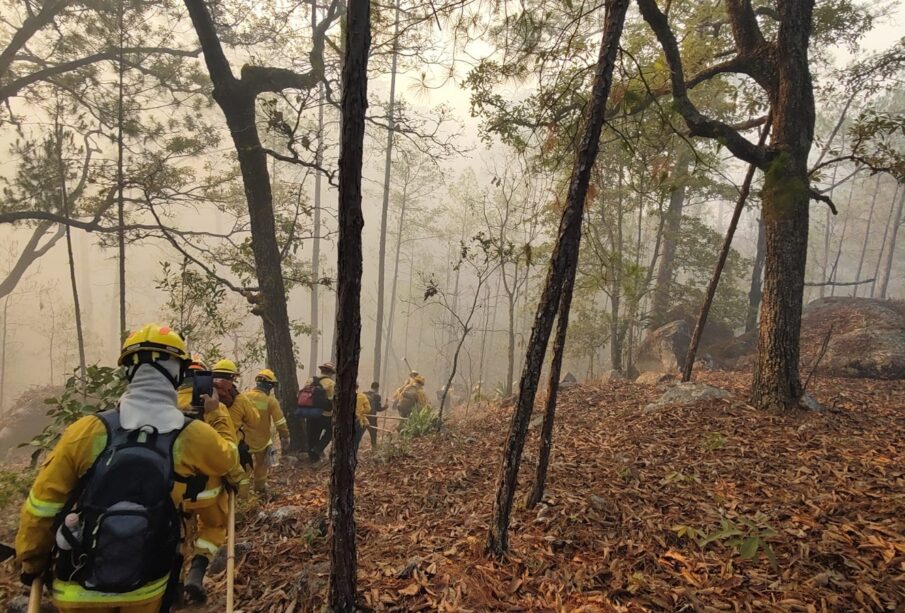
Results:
x,y
546,434
348,311
565,255
236,98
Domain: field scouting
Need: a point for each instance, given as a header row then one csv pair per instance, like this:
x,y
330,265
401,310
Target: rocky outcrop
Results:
x,y
664,349
686,393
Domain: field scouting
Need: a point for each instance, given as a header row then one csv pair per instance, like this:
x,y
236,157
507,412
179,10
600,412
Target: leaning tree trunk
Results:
x,y
388,162
718,269
391,319
892,209
237,101
546,434
565,255
348,309
786,198
755,293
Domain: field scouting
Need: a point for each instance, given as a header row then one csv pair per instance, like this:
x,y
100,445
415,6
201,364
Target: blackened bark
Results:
x,y
348,309
754,294
236,99
663,282
565,255
546,435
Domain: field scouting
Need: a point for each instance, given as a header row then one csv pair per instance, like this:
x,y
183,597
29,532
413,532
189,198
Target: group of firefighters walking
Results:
x,y
126,491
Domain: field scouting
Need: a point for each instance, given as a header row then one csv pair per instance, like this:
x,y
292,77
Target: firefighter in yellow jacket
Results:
x,y
154,359
258,436
211,507
241,411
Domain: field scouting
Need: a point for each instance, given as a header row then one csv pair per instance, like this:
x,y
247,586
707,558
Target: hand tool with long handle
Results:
x,y
34,599
231,554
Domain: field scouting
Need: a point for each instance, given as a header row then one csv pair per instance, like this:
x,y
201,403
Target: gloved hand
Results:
x,y
212,402
28,578
244,486
246,460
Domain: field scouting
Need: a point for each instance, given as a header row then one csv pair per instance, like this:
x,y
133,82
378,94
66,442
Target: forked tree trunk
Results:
x,y
564,257
237,101
546,434
718,269
754,294
388,163
343,558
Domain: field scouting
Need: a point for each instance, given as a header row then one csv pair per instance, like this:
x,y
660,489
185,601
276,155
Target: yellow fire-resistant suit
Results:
x,y
258,436
212,506
243,413
197,450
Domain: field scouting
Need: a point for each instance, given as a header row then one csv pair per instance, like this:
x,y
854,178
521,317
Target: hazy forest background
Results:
x,y
472,119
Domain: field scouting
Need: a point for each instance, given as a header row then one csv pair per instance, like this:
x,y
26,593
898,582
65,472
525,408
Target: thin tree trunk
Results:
x,y
316,245
565,255
665,271
64,206
392,317
120,182
829,218
870,219
754,294
546,435
832,277
720,263
236,99
3,351
388,162
892,208
343,557
890,255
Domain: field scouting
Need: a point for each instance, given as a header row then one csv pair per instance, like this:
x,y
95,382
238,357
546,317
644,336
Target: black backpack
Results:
x,y
129,530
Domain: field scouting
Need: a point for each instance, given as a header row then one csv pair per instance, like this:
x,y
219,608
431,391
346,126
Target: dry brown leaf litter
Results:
x,y
824,491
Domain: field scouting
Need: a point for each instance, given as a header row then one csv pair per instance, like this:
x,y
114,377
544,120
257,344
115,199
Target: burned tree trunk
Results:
x,y
348,307
546,434
565,256
754,294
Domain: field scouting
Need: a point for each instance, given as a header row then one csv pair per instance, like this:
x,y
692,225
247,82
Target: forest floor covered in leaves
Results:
x,y
712,506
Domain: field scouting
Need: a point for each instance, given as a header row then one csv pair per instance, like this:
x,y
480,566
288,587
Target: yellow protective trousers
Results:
x,y
261,469
151,606
212,526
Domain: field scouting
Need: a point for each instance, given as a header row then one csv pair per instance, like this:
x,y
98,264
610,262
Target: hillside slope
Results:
x,y
645,510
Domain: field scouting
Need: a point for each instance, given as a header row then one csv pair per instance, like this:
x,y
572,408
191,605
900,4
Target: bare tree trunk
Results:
x,y
3,351
754,294
892,208
565,255
343,556
870,219
890,255
236,98
546,435
316,245
64,206
831,280
720,263
829,218
120,183
666,268
381,260
392,317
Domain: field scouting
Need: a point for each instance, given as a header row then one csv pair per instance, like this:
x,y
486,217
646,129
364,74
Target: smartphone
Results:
x,y
202,383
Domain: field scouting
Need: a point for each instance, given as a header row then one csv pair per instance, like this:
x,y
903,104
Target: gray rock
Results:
x,y
218,564
664,349
686,393
655,378
282,514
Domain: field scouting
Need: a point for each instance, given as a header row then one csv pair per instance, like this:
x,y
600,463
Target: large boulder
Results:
x,y
664,349
866,339
686,393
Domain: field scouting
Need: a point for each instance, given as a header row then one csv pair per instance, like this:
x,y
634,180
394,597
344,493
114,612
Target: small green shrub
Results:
x,y
14,486
421,421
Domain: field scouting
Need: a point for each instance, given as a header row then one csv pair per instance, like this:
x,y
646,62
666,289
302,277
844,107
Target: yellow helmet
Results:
x,y
155,338
266,375
226,367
